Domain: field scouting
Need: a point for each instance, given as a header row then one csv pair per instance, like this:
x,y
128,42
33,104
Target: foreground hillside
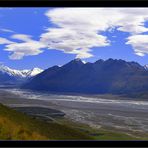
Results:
x,y
18,126
15,125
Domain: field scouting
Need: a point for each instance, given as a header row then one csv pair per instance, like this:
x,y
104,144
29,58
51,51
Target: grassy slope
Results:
x,y
105,134
18,126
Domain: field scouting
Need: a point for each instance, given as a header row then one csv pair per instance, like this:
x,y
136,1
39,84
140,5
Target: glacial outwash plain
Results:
x,y
32,115
30,112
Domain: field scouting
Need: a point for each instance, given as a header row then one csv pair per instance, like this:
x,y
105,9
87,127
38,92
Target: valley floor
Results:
x,y
93,117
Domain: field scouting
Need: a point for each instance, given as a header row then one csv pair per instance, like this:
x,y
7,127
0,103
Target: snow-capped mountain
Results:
x,y
20,73
146,67
34,72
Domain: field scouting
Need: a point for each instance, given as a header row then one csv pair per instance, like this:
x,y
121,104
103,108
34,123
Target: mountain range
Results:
x,y
9,75
109,76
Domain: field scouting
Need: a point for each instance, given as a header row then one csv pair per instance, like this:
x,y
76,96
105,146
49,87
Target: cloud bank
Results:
x,y
26,47
78,30
139,43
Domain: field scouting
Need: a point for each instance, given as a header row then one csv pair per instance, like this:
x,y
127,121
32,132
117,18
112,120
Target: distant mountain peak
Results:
x,y
79,61
146,66
111,59
84,62
20,73
36,68
115,60
99,61
34,71
76,61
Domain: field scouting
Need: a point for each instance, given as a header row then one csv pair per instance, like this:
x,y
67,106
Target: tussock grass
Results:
x,y
15,125
18,126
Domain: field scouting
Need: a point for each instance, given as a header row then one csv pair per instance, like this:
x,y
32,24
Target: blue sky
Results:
x,y
43,37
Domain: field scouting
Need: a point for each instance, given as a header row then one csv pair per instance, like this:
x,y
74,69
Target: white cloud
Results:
x,y
6,30
79,29
19,50
139,54
72,41
22,37
27,47
5,41
139,44
100,19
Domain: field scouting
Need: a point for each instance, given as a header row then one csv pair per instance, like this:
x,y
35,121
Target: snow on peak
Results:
x,y
20,73
146,67
84,62
35,71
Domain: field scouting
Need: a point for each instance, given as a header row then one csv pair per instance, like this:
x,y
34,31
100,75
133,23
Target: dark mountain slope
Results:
x,y
5,78
110,76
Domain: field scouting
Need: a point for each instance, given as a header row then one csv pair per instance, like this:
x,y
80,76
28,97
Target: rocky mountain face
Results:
x,y
110,76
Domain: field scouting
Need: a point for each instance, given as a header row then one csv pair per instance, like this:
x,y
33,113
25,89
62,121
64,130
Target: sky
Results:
x,y
43,37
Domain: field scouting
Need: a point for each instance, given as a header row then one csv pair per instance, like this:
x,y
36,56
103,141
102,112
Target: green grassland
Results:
x,y
15,125
18,126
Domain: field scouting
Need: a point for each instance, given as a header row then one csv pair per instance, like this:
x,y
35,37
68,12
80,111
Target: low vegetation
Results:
x,y
18,126
15,125
105,133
